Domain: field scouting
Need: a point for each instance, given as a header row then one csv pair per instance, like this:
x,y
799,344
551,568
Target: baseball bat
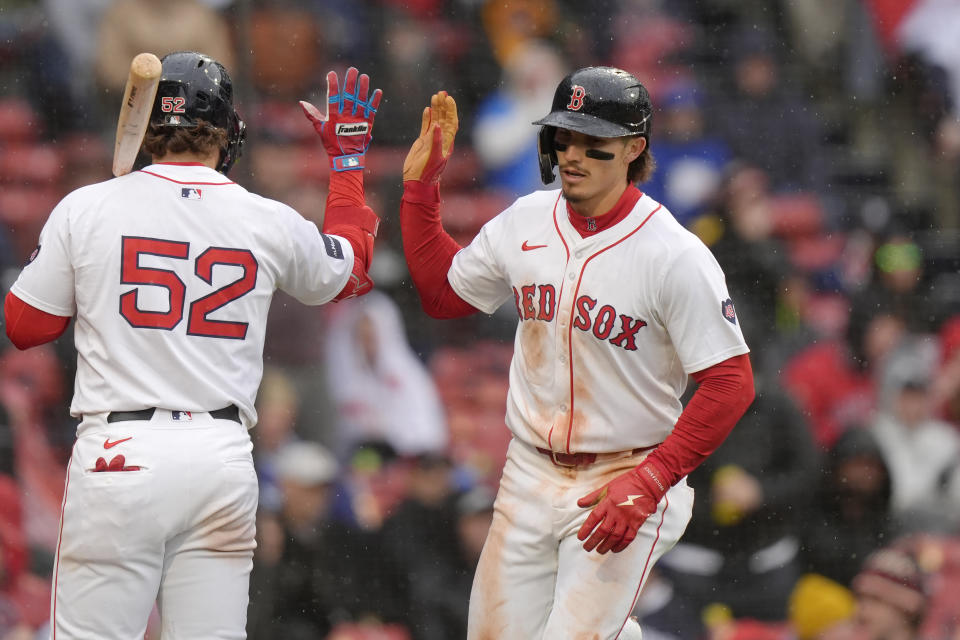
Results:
x,y
135,110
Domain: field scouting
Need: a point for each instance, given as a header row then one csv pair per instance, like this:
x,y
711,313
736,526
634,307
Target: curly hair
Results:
x,y
642,168
202,139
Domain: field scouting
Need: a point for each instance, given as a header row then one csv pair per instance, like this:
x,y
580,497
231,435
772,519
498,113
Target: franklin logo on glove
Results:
x,y
357,129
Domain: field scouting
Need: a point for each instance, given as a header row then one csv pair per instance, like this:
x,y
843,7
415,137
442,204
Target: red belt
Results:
x,y
583,459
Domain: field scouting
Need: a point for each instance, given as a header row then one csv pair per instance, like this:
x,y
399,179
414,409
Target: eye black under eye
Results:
x,y
560,146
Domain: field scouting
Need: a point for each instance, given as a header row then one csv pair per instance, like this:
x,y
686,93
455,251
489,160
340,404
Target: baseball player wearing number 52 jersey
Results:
x,y
618,304
170,271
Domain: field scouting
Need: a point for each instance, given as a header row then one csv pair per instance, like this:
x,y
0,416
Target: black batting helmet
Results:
x,y
195,87
604,102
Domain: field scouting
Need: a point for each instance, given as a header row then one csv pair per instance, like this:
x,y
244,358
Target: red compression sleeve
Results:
x,y
358,225
725,392
28,326
429,251
346,189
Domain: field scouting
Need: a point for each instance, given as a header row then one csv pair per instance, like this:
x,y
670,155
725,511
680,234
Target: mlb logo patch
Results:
x,y
190,193
181,415
729,313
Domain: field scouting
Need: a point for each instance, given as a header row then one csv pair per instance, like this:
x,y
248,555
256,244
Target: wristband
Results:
x,y
347,163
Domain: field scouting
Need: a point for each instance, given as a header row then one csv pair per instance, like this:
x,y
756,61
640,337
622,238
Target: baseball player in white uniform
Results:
x,y
169,272
617,304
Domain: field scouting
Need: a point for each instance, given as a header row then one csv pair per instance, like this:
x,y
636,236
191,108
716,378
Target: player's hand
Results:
x,y
347,127
620,508
429,153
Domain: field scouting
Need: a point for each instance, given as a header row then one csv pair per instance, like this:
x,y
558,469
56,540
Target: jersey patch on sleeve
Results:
x,y
726,308
332,245
33,255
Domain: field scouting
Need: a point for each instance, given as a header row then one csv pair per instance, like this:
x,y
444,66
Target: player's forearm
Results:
x,y
28,326
358,225
346,189
725,392
429,251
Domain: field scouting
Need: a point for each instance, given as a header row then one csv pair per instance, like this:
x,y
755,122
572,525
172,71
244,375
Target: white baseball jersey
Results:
x,y
610,325
170,271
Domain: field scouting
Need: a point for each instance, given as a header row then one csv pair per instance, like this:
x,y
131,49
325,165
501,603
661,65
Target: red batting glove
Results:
x,y
620,508
347,128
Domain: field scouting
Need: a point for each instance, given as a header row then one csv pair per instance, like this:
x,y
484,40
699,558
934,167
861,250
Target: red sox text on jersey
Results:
x,y
538,303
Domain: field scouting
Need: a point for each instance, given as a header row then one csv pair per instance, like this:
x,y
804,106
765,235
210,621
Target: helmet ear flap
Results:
x,y
235,139
546,153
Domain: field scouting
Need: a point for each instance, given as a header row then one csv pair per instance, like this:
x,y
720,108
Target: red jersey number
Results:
x,y
199,324
131,272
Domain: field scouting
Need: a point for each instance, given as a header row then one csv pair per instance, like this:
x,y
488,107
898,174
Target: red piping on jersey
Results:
x,y
183,164
56,568
211,184
570,328
646,565
559,295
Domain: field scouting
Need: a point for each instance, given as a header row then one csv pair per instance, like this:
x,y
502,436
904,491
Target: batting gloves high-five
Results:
x,y
620,508
347,127
428,155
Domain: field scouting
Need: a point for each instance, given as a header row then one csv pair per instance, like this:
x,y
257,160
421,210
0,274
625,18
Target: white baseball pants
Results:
x,y
535,580
178,531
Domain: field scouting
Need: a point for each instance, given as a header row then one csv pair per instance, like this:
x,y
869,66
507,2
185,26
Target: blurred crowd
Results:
x,y
814,145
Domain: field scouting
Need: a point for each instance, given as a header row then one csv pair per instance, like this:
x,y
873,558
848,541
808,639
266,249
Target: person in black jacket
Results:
x,y
850,517
741,548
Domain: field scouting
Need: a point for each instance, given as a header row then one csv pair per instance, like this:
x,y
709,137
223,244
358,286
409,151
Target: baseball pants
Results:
x,y
535,580
177,531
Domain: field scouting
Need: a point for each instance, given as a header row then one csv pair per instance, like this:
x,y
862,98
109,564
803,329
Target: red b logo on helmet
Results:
x,y
576,98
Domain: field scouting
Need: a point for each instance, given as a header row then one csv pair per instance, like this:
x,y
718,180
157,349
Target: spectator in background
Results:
x,y
741,547
130,27
759,274
408,49
510,25
929,29
74,25
287,49
817,604
277,410
690,163
897,287
31,388
424,538
324,572
850,516
891,597
505,142
765,123
835,381
381,389
923,454
24,596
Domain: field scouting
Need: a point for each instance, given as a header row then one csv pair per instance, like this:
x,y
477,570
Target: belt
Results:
x,y
231,412
583,459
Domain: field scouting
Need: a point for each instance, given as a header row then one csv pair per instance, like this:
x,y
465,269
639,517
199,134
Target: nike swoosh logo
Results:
x,y
531,247
107,444
629,501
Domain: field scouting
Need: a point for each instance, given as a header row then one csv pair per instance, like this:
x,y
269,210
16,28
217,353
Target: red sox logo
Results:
x,y
576,97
